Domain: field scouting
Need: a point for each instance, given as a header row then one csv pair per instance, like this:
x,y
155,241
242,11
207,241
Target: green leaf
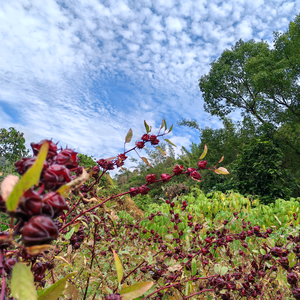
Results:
x,y
30,178
224,270
129,136
162,123
204,153
168,141
161,150
118,266
165,124
56,289
217,268
292,260
22,286
170,128
263,252
69,234
135,290
146,127
194,267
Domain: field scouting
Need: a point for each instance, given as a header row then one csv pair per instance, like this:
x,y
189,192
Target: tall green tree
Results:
x,y
12,144
261,82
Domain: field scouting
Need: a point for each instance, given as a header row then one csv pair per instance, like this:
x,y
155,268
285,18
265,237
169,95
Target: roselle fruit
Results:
x,y
67,157
30,205
57,175
25,163
52,148
54,204
39,230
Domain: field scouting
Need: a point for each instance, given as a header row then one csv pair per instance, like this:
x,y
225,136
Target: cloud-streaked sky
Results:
x,y
85,71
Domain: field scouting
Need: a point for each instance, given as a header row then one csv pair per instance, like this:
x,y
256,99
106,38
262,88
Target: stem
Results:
x,y
2,297
203,291
92,208
91,265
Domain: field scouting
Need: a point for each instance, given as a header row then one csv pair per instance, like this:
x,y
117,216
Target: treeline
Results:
x,y
262,151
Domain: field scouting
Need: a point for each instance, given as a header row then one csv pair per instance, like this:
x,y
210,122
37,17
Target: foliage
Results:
x,y
216,207
259,170
182,252
12,144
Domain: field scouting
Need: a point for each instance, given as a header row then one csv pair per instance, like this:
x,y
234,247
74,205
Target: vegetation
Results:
x,y
72,232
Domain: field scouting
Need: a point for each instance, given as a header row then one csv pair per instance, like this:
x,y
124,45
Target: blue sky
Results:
x,y
83,72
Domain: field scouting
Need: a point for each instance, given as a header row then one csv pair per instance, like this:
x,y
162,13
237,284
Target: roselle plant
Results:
x,y
56,226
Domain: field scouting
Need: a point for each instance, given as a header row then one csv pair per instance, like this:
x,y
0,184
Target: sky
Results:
x,y
85,71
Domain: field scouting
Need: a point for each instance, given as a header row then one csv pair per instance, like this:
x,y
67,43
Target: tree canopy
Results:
x,y
262,82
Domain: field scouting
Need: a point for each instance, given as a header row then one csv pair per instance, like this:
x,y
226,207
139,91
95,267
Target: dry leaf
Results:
x,y
7,185
34,250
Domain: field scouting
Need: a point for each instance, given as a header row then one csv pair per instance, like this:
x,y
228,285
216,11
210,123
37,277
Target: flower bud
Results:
x,y
178,169
145,137
150,178
202,164
134,191
52,148
165,177
67,157
140,144
195,175
144,190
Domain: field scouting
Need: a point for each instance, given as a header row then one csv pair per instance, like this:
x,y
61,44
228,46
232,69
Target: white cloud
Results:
x,y
175,24
85,71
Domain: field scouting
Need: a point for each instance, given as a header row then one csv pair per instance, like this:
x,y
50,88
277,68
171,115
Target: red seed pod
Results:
x,y
150,178
190,170
145,137
144,190
67,157
120,160
30,205
39,268
25,163
52,148
292,278
165,177
56,203
276,251
140,144
153,139
296,293
195,175
9,264
38,231
178,169
57,175
202,164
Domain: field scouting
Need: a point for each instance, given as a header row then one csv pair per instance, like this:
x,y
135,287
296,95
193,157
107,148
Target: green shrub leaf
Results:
x,y
204,153
135,290
292,260
118,266
55,290
22,286
147,127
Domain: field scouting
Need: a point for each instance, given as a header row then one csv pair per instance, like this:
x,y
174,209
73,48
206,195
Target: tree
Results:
x,y
12,144
262,82
259,170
